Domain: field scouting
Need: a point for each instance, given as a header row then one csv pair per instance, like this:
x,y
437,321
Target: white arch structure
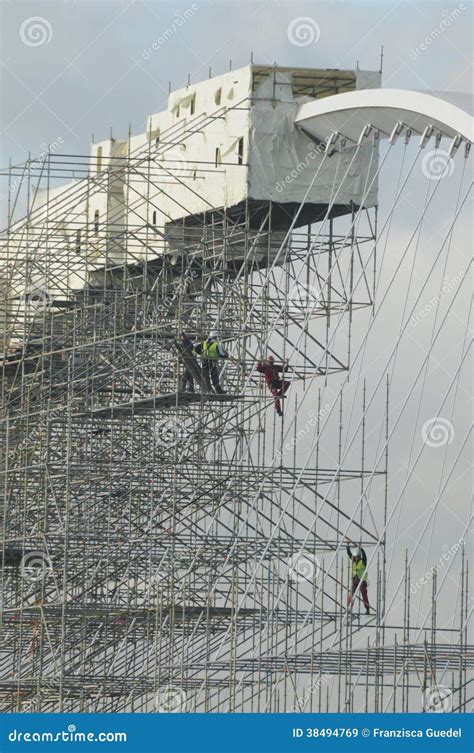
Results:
x,y
382,109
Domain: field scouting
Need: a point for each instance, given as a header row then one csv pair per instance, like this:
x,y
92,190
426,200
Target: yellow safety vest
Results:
x,y
359,570
210,350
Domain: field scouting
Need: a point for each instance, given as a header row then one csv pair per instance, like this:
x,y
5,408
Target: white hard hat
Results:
x,y
357,552
213,333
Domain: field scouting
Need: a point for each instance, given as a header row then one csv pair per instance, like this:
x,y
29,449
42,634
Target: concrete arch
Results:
x,y
382,108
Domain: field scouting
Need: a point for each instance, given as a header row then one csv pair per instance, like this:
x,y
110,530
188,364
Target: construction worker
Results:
x,y
358,558
211,351
187,357
271,373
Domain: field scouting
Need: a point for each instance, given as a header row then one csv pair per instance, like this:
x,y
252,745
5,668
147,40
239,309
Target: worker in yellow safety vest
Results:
x,y
360,581
211,351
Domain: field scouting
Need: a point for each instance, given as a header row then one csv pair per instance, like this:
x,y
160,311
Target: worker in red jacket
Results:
x,y
271,373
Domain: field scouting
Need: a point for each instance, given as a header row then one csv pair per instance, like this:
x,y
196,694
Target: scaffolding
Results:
x,y
165,550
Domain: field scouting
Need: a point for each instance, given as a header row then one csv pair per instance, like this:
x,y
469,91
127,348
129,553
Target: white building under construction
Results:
x,y
224,145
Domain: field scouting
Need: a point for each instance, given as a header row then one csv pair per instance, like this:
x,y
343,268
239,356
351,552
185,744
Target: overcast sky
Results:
x,y
92,71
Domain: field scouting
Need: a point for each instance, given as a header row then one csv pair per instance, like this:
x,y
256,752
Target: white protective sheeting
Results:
x,y
283,159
